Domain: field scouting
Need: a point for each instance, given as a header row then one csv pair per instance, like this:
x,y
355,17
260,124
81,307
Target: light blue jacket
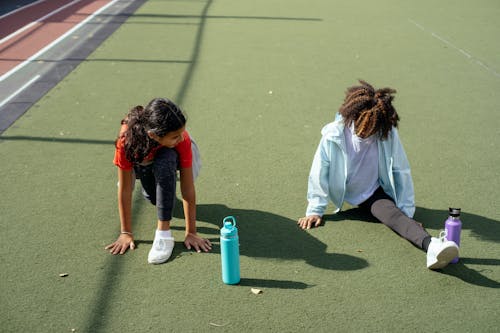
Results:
x,y
327,178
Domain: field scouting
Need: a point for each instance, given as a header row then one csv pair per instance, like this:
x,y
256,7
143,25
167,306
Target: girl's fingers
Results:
x,y
197,248
110,246
119,248
304,223
206,246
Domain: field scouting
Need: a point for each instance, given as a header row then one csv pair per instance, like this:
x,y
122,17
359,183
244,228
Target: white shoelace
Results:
x,y
442,235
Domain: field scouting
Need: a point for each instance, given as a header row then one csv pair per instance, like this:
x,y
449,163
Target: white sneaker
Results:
x,y
441,251
161,250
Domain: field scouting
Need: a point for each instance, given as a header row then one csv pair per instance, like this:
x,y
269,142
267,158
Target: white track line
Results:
x,y
15,93
462,51
21,8
3,40
17,32
55,42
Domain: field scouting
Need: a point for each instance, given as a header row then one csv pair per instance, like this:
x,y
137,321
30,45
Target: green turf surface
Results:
x,y
258,80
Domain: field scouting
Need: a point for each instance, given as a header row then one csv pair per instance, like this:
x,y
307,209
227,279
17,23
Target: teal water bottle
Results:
x,y
230,251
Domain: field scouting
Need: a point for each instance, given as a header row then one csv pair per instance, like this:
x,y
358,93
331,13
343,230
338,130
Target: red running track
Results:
x,y
29,30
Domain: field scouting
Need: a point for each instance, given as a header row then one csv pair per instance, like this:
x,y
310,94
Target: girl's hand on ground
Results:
x,y
198,243
309,221
121,245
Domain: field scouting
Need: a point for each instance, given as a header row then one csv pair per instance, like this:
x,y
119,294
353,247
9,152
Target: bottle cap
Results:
x,y
454,211
229,227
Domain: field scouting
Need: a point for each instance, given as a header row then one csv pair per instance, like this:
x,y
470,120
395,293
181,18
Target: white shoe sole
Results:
x,y
444,258
158,261
161,260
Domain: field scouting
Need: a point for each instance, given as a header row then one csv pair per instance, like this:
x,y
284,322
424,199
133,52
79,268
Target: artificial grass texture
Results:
x,y
258,80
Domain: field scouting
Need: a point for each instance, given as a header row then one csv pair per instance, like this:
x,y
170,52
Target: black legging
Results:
x,y
383,208
158,181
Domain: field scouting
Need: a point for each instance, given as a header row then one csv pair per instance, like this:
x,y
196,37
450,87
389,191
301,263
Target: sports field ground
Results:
x,y
258,80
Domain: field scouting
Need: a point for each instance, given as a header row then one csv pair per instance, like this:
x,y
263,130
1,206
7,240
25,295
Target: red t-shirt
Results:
x,y
183,149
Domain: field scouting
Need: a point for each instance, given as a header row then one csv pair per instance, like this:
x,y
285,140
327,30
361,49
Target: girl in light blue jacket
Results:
x,y
360,160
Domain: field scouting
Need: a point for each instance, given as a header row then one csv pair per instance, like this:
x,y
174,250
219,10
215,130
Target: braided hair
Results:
x,y
370,110
159,117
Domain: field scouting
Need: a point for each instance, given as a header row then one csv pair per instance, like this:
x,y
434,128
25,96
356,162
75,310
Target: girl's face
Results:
x,y
171,139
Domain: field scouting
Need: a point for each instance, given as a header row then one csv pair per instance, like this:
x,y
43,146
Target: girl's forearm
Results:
x,y
125,189
189,205
125,210
188,199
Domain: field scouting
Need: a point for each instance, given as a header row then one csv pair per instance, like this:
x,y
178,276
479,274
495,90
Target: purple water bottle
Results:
x,y
453,227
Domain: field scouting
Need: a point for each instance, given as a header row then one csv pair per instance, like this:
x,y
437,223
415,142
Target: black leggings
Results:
x,y
158,181
383,208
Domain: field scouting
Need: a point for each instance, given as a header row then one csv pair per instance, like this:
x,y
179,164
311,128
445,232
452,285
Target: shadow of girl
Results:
x,y
463,272
267,235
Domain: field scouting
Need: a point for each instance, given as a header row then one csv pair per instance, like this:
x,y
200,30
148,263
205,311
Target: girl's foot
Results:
x,y
162,248
441,252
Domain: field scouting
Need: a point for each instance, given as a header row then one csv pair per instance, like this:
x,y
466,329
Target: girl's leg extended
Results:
x,y
158,182
383,208
165,174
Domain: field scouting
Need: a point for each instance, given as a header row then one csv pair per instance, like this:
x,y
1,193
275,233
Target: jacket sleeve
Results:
x,y
403,183
318,186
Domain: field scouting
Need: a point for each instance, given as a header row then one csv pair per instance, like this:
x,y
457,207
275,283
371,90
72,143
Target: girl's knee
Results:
x,y
165,165
385,209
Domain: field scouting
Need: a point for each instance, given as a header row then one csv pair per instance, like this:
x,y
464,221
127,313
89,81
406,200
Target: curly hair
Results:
x,y
159,117
370,110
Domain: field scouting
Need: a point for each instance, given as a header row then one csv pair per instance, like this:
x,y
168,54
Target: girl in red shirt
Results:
x,y
153,144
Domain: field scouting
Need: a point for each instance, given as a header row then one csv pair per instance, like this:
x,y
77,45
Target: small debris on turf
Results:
x,y
359,250
256,291
218,325
63,274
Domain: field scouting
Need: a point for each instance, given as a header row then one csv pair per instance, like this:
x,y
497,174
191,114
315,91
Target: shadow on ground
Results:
x,y
267,235
482,228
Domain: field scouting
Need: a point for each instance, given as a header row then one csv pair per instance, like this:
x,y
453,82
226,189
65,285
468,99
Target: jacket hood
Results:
x,y
333,130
